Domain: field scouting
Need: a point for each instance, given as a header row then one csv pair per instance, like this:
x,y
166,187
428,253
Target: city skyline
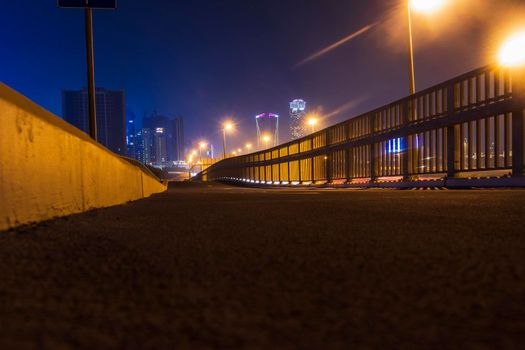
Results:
x,y
182,64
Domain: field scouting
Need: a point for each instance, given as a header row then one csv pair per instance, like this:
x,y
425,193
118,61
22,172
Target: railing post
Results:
x,y
372,148
312,168
288,154
405,109
299,162
271,166
518,131
329,157
451,136
348,165
279,164
517,143
259,167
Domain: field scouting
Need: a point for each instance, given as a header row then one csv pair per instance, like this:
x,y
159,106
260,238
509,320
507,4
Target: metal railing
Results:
x,y
472,124
145,168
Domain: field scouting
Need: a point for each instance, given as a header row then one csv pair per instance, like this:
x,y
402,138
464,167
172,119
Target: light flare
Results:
x,y
312,121
427,6
337,44
512,52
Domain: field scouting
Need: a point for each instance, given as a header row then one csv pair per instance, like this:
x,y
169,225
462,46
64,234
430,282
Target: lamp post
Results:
x,y
411,73
424,6
248,147
228,126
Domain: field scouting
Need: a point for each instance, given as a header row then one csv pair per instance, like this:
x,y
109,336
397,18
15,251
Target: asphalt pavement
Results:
x,y
208,266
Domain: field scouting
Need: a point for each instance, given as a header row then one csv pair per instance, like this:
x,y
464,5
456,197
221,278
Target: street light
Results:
x,y
512,52
227,126
248,146
202,146
312,121
427,6
422,6
266,139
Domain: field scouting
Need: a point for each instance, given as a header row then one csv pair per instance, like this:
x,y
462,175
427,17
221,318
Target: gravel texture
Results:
x,y
217,267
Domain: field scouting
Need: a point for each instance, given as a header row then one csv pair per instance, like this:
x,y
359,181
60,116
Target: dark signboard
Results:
x,y
94,4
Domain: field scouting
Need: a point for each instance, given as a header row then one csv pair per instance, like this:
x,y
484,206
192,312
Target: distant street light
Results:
x,y
228,126
202,146
248,146
423,6
312,121
512,52
266,139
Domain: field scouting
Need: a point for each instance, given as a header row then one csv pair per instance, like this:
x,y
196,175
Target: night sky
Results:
x,y
209,59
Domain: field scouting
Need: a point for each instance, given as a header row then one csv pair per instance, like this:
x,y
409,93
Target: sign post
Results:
x,y
90,57
88,6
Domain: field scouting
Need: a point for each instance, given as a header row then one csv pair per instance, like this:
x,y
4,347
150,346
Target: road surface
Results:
x,y
218,267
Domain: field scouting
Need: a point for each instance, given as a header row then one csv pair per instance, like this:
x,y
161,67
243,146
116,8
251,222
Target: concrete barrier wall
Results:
x,y
48,168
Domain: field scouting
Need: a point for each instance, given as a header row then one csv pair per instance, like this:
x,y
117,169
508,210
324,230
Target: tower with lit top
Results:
x,y
297,118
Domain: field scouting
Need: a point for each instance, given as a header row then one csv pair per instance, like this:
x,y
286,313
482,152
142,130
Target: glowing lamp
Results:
x,y
512,52
427,6
228,126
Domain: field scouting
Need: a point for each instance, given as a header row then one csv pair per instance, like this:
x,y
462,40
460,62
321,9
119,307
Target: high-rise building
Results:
x,y
111,116
144,146
131,133
168,138
297,119
178,132
159,127
160,144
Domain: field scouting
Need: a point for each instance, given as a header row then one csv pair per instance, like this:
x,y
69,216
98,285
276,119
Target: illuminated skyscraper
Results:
x,y
161,146
144,146
297,119
169,133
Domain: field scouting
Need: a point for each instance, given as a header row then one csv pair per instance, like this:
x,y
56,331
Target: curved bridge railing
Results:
x,y
469,126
